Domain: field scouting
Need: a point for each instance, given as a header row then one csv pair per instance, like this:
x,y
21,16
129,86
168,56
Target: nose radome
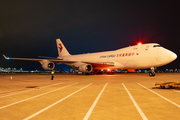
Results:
x,y
166,56
173,56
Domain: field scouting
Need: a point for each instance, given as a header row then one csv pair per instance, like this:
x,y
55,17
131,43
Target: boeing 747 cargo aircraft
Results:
x,y
140,56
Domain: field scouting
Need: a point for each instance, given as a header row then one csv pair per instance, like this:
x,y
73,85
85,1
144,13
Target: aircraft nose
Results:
x,y
173,56
166,56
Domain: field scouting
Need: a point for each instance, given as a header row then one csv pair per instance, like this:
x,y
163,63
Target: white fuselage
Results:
x,y
132,57
141,56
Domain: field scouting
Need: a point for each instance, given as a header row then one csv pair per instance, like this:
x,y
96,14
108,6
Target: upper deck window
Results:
x,y
157,46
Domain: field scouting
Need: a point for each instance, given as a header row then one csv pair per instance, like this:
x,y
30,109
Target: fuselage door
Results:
x,y
147,47
158,50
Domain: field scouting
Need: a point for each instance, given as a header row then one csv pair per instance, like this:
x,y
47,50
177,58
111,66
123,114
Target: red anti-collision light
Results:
x,y
139,43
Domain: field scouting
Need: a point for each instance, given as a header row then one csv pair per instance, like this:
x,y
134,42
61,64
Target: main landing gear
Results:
x,y
96,72
151,72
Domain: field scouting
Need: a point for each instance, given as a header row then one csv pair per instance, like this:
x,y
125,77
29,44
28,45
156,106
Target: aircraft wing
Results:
x,y
37,59
94,64
33,59
47,57
99,64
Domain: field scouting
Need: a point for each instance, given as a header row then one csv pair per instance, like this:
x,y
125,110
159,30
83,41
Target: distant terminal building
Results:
x,y
10,69
67,71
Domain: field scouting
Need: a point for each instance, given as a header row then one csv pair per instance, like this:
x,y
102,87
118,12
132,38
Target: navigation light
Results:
x,y
139,43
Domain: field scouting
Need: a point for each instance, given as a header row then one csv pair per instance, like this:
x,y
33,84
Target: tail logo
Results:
x,y
60,47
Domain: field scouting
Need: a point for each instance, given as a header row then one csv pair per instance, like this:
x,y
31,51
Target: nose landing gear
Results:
x,y
151,72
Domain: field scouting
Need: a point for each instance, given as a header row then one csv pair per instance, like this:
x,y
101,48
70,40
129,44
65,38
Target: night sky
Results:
x,y
29,28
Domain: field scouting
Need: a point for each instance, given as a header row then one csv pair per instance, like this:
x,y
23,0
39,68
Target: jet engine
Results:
x,y
47,65
87,68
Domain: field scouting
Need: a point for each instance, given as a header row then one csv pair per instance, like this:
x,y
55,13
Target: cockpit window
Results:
x,y
157,46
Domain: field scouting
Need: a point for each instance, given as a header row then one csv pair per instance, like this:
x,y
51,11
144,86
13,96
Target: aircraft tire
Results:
x,y
87,74
162,87
151,74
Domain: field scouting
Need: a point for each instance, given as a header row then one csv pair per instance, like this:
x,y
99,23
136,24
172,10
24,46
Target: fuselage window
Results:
x,y
157,46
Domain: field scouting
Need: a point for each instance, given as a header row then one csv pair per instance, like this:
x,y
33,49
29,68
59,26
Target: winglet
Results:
x,y
5,57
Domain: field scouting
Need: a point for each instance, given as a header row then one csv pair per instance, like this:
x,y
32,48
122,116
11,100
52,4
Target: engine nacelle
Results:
x,y
47,65
87,68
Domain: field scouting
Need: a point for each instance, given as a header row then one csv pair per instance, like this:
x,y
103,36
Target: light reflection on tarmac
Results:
x,y
94,97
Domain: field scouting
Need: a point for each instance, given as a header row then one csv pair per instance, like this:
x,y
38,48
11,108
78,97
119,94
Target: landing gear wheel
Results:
x,y
162,87
88,73
151,74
